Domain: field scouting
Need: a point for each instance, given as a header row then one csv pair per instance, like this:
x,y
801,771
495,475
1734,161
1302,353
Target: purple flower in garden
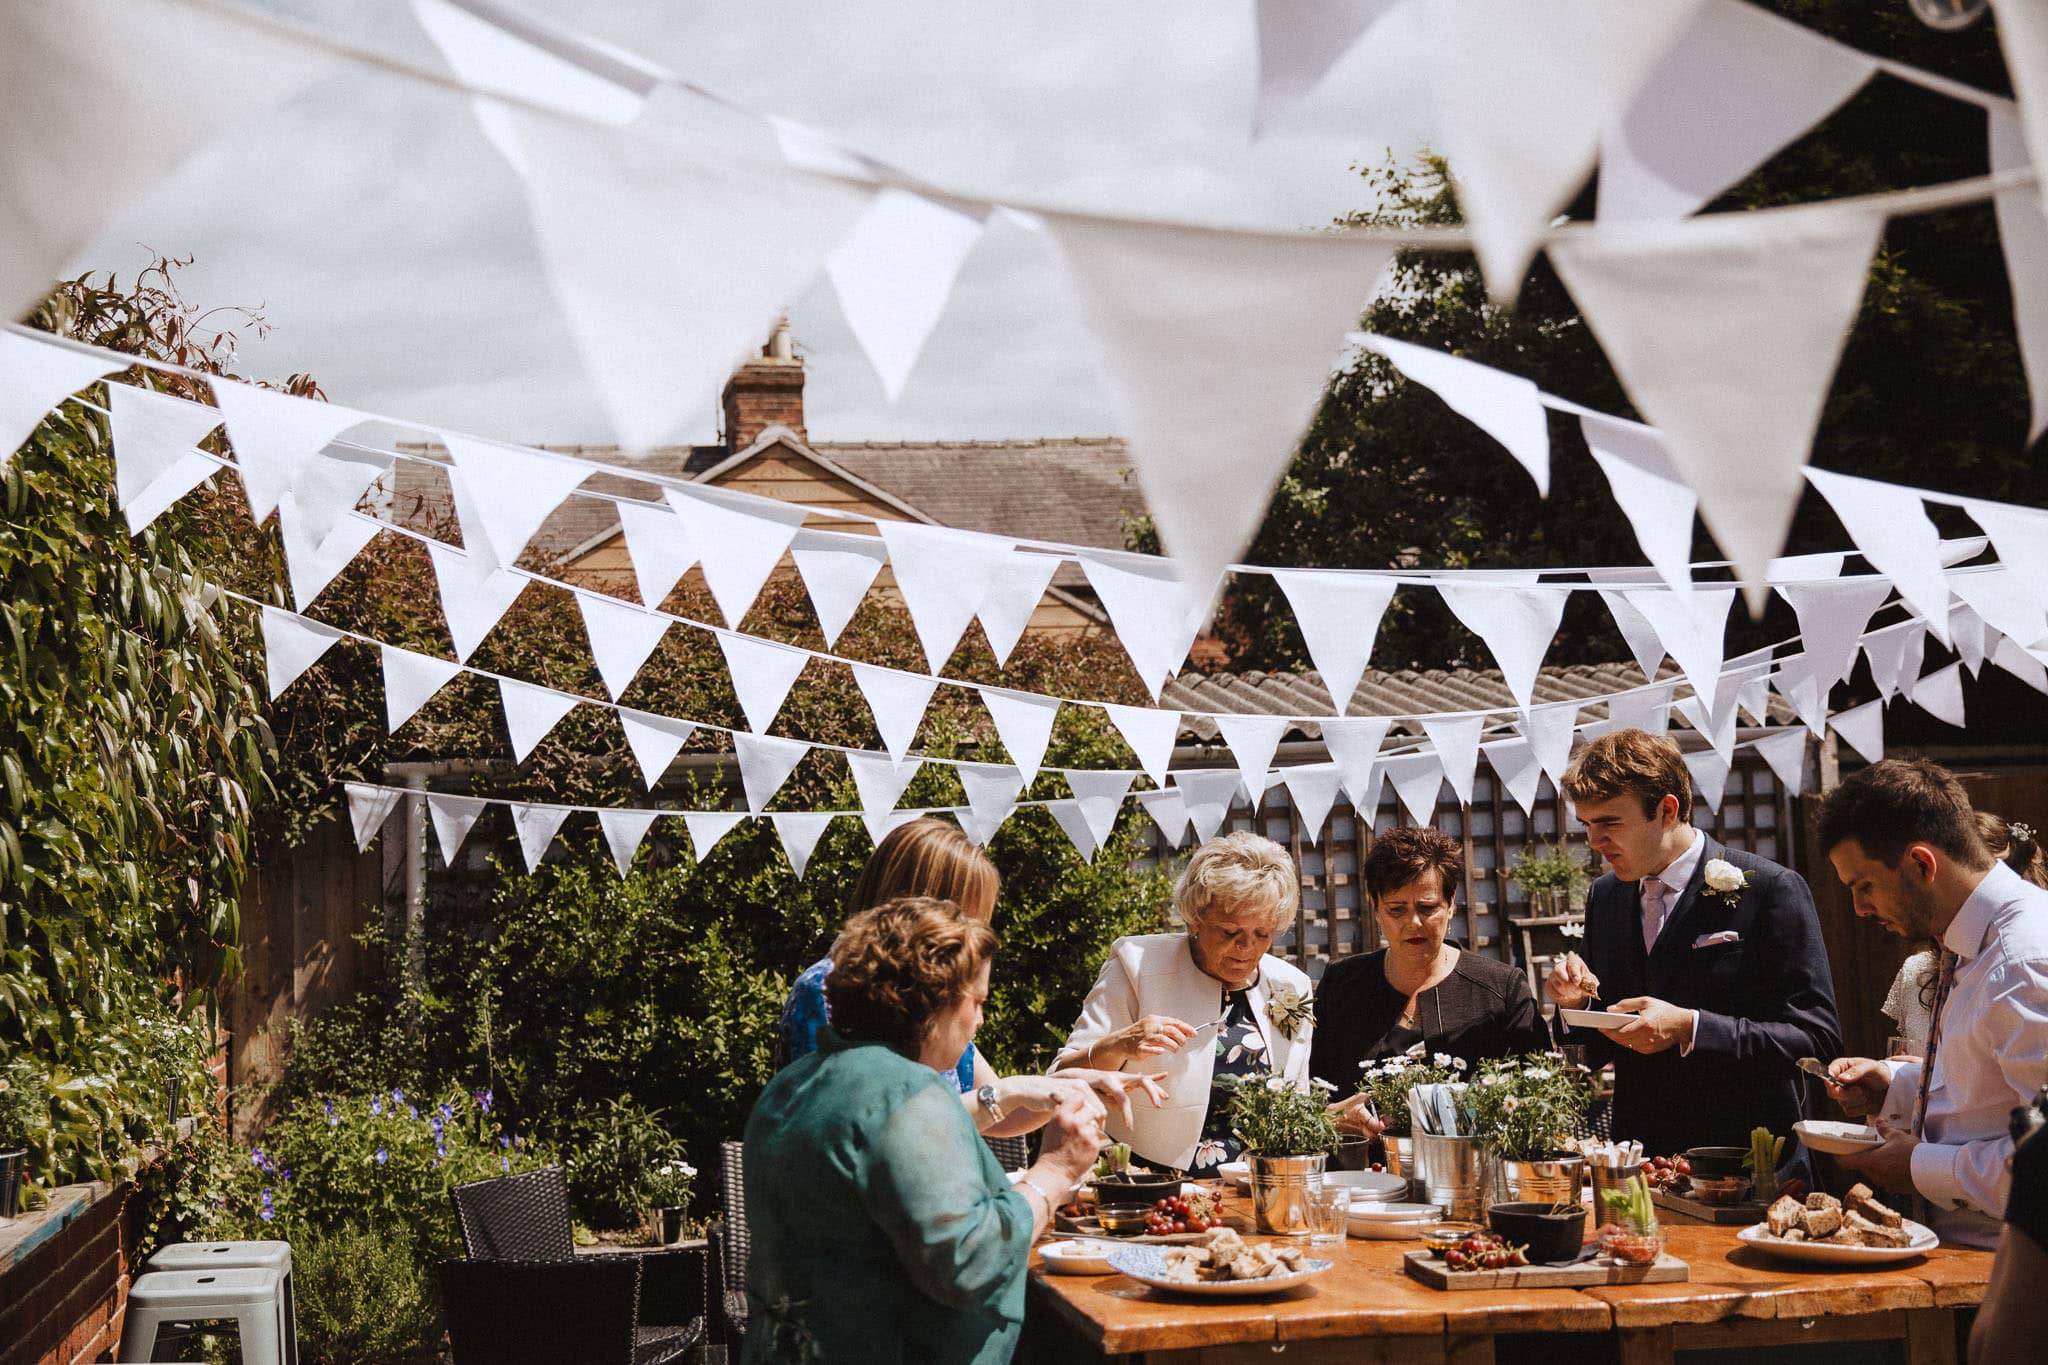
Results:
x,y
435,1124
504,1163
504,1140
443,1110
266,1213
519,1142
376,1106
412,1111
483,1099
440,1151
382,1156
397,1096
286,1173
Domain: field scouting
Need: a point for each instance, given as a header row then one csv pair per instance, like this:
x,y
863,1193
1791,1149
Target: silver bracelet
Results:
x,y
1050,1203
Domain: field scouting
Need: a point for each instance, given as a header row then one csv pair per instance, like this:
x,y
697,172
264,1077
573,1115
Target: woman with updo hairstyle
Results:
x,y
882,1227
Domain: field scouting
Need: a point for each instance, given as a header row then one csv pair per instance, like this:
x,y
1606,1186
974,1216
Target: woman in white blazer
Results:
x,y
1188,1006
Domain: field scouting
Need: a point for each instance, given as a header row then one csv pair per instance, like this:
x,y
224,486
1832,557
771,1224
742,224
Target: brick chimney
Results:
x,y
766,391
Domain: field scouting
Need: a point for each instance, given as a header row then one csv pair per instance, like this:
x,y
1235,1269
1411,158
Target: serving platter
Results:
x,y
1147,1265
1827,1253
1422,1266
1836,1139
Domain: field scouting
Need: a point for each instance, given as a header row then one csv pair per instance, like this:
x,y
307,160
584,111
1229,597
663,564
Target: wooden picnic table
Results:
x,y
1369,1309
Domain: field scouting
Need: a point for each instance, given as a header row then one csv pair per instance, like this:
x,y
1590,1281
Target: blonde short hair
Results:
x,y
1241,873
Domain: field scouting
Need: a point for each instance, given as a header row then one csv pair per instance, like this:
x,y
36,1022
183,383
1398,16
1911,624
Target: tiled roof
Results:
x,y
1077,491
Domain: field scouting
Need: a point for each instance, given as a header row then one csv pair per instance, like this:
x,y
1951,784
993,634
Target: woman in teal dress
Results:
x,y
882,1228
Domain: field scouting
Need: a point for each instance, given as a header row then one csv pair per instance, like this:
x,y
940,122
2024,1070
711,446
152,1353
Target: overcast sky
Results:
x,y
388,244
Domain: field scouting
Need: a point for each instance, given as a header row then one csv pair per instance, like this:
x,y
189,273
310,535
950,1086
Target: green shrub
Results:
x,y
615,1154
366,1297
24,1106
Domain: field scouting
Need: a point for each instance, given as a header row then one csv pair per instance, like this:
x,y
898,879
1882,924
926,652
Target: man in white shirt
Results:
x,y
1903,838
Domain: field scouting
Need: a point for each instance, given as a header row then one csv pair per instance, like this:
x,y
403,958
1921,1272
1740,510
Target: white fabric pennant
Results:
x,y
1312,789
187,473
1891,529
536,827
2007,604
1354,741
368,808
621,637
992,791
1215,347
762,674
2023,36
881,824
1832,618
837,571
2023,665
1648,710
2023,234
275,437
894,273
1641,637
737,546
410,682
2021,535
654,740
671,259
1099,795
1024,721
1709,769
800,832
1895,653
1252,741
1339,615
1523,88
1736,391
36,376
1151,735
1717,730
1754,696
1795,681
1517,624
1067,815
453,817
765,764
1862,728
1417,779
658,546
1739,85
1692,627
1940,694
1299,43
291,645
328,485
311,564
1785,752
530,713
943,576
1169,811
1650,490
1505,406
979,829
154,434
1207,794
707,827
1549,730
1456,739
1971,637
1796,568
1148,605
1007,606
897,700
1520,772
624,831
880,781
513,489
474,595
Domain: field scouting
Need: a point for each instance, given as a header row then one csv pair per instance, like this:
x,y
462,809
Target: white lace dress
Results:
x,y
1907,1005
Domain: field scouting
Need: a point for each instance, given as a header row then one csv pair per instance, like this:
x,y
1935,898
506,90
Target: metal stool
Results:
x,y
239,1256
251,1297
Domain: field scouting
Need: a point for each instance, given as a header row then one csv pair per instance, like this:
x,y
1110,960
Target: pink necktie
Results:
x,y
1655,903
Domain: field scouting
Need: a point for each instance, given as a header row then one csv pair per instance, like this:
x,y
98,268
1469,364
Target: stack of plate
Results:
x,y
1392,1222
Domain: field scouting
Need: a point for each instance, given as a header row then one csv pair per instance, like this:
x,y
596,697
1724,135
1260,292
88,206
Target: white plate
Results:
x,y
1147,1265
1369,1230
1077,1258
1605,1020
1822,1253
1826,1135
1376,1186
1373,1211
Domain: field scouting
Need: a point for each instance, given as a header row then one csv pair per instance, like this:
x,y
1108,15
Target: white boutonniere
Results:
x,y
1290,1010
1725,881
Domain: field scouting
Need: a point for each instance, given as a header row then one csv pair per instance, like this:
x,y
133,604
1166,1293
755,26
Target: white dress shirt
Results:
x,y
1992,1057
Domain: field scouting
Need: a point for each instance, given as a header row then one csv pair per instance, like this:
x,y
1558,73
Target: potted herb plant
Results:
x,y
1548,875
668,1190
1288,1137
1523,1109
1388,1081
24,1110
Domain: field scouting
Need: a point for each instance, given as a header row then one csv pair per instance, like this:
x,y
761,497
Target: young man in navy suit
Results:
x,y
1716,952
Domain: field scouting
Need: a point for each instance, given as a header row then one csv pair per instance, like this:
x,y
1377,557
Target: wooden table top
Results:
x,y
1368,1294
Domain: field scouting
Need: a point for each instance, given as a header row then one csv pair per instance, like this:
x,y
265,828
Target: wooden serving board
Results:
x,y
1727,1215
1422,1266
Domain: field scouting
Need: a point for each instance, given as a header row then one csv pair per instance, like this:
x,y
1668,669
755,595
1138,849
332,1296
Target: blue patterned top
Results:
x,y
805,1012
1240,1051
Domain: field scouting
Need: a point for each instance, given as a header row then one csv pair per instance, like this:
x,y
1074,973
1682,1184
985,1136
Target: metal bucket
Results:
x,y
1452,1174
1280,1190
1615,1178
1553,1180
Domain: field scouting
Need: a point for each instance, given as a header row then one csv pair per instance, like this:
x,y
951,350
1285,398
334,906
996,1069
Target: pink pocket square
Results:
x,y
1714,940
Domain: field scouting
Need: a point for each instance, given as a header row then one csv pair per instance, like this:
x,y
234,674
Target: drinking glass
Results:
x,y
1329,1215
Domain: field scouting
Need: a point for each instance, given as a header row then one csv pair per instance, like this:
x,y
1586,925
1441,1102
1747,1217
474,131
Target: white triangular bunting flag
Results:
x,y
1517,624
1647,709
738,544
1642,639
530,713
512,489
1312,789
1169,812
275,436
981,831
1506,407
1339,615
1650,490
1147,605
1100,796
2021,664
621,638
623,832
800,832
1718,731
1971,637
2021,535
1794,680
837,571
1862,728
1252,741
1515,763
1067,815
1802,568
654,740
1208,794
1549,730
765,764
1693,628
1008,605
992,791
1895,653
1457,746
153,434
312,565
537,827
897,701
943,575
1024,721
1736,392
1215,347
1151,735
36,376
410,681
762,674
1891,529
2023,234
453,817
1940,694
1298,45
2004,602
327,486
658,546
1709,776
368,808
881,824
192,469
1832,617
1785,751
291,645
879,780
1354,741
474,595
893,273
707,827
1417,779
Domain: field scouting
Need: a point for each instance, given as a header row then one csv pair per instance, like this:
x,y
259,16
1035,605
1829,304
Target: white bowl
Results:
x,y
1076,1258
1836,1139
1377,1186
1372,1230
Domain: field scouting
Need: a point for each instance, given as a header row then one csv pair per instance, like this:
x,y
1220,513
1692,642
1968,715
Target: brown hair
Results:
x,y
1902,801
896,966
927,857
1238,872
1400,856
1630,763
2016,845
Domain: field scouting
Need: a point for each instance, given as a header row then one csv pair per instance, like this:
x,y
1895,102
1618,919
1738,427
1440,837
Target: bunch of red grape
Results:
x,y
1174,1215
1661,1169
1485,1251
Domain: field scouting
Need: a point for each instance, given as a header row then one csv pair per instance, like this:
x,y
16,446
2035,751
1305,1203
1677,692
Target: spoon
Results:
x,y
1814,1066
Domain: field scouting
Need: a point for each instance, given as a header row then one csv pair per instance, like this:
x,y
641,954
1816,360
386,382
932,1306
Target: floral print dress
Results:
x,y
1240,1051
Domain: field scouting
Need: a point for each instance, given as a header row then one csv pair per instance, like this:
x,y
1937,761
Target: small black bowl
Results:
x,y
1136,1188
1550,1236
1715,1163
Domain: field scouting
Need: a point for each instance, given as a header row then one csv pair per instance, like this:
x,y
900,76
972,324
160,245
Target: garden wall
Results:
x,y
64,1273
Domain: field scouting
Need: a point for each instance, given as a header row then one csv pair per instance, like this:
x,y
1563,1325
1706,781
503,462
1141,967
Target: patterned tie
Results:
x,y
1942,982
1656,901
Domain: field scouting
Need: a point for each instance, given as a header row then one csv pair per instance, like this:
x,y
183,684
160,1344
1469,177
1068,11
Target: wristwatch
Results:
x,y
986,1097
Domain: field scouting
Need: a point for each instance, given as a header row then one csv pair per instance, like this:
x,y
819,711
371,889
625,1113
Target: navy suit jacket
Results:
x,y
1765,999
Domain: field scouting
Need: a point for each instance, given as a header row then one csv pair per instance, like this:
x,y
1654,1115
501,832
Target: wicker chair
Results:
x,y
546,1312
1011,1153
730,1238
